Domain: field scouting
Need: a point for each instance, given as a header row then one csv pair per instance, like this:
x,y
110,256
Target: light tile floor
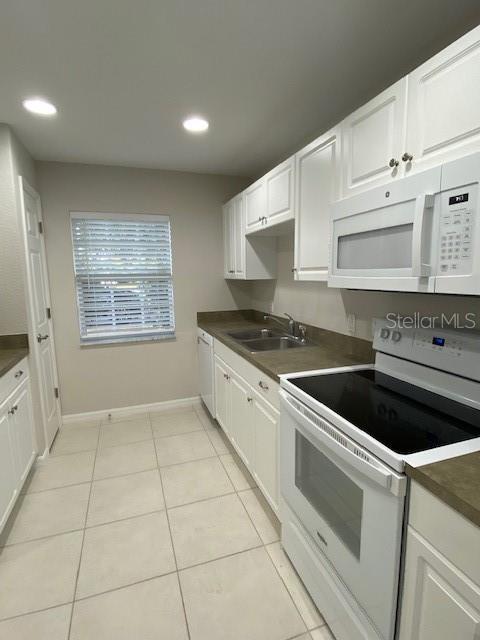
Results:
x,y
151,528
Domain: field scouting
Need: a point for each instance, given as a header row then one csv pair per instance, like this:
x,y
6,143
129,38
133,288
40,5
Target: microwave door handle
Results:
x,y
419,267
380,476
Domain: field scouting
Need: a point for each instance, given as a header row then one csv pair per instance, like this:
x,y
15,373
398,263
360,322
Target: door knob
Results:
x,y
40,338
407,157
393,163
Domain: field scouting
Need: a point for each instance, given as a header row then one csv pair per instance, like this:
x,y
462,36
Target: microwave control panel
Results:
x,y
457,220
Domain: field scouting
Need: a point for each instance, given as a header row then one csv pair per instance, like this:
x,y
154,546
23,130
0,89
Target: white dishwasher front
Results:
x,y
206,372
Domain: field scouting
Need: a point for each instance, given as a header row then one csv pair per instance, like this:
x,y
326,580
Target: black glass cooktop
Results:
x,y
403,417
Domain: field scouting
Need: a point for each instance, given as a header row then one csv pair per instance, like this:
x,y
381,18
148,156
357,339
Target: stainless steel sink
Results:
x,y
253,334
278,343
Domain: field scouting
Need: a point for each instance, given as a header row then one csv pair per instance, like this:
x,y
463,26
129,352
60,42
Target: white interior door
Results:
x,y
40,324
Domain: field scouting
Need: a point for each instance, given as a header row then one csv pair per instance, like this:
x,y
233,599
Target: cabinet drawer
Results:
x,y
263,384
447,530
13,378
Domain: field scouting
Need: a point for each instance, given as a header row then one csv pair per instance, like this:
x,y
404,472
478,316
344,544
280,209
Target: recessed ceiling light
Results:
x,y
40,107
196,124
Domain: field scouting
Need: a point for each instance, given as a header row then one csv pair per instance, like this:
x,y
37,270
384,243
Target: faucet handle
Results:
x,y
303,332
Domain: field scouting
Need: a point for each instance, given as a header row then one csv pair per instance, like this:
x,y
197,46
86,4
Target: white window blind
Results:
x,y
123,275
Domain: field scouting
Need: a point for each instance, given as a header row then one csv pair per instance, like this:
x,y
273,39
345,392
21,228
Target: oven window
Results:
x,y
335,497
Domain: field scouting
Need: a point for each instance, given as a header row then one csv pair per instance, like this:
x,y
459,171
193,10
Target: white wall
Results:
x,y
14,161
103,377
314,303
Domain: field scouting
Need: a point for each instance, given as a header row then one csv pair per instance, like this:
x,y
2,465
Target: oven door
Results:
x,y
350,503
383,238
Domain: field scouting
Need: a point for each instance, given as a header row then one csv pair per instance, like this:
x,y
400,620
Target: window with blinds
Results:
x,y
123,276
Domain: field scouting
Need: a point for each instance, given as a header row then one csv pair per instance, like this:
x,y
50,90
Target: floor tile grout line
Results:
x,y
126,586
171,540
224,557
34,611
83,540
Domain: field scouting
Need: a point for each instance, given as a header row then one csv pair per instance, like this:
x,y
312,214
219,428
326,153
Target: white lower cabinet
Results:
x,y
241,426
7,467
441,592
251,423
266,421
222,395
17,448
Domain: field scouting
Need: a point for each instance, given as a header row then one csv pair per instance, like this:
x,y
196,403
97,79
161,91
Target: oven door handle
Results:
x,y
377,473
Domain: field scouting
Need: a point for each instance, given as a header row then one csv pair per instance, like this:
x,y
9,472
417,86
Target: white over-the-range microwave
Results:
x,y
420,233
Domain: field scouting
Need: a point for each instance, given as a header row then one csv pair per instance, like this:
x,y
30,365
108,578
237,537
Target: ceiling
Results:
x,y
268,74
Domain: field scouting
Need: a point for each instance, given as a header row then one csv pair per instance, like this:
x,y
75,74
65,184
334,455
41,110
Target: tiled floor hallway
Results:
x,y
148,528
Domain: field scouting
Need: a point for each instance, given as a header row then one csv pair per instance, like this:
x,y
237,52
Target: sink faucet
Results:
x,y
292,325
295,330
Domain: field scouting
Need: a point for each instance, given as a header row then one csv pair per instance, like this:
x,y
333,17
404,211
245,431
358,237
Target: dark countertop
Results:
x,y
13,348
455,481
329,349
10,357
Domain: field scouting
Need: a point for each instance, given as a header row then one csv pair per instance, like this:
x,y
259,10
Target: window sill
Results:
x,y
126,340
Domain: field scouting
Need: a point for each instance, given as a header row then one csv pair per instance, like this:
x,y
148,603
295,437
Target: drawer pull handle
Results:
x,y
249,399
19,374
13,409
263,386
40,337
226,376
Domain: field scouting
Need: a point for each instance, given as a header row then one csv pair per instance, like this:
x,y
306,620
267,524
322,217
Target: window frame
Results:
x,y
134,336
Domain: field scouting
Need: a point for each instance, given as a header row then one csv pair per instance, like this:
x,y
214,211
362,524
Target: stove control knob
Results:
x,y
396,336
384,333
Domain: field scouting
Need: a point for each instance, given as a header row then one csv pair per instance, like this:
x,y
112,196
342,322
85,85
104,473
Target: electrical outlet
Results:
x,y
351,321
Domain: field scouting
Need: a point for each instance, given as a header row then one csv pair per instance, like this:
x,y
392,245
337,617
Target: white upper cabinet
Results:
x,y
255,204
245,258
239,235
373,140
229,240
280,189
317,185
443,121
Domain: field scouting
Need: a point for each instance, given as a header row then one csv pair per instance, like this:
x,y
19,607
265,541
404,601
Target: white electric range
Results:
x,y
346,435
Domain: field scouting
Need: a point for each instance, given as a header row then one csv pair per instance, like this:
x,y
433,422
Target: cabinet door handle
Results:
x,y
407,157
393,163
13,409
19,374
249,399
40,338
263,386
259,218
226,376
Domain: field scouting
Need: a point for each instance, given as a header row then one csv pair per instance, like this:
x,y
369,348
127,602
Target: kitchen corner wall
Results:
x,y
314,303
103,377
14,161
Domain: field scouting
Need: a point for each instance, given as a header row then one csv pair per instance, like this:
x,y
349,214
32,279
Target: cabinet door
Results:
x,y
22,432
280,188
443,121
7,467
266,420
222,395
239,224
439,601
255,205
372,138
241,422
229,240
317,186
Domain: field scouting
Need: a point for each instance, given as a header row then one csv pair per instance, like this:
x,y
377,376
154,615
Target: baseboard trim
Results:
x,y
128,411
